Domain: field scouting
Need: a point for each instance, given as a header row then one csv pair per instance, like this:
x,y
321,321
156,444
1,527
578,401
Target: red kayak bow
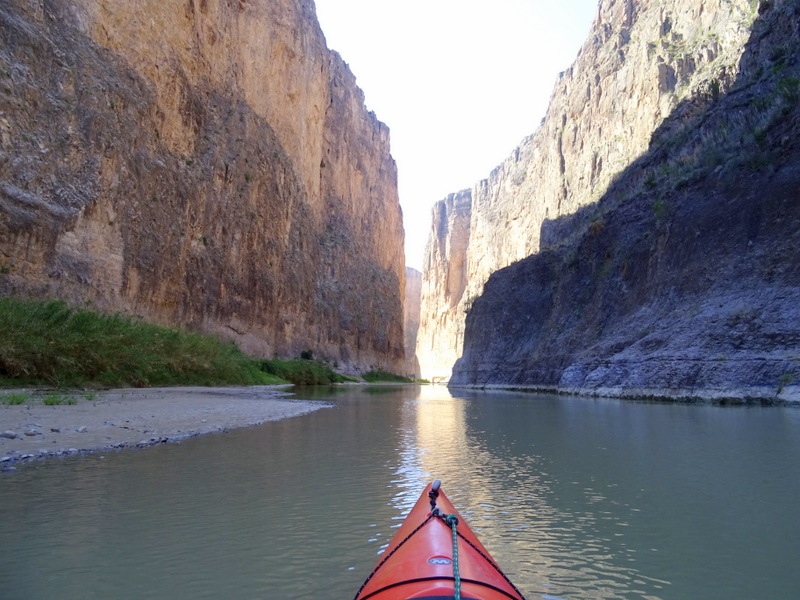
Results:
x,y
436,556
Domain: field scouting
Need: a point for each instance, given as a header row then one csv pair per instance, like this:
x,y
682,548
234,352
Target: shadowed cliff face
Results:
x,y
684,280
640,61
201,163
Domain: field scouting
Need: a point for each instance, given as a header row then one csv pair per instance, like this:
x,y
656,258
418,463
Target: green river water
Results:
x,y
576,498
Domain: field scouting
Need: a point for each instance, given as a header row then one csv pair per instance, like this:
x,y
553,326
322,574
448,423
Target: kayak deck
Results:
x,y
422,562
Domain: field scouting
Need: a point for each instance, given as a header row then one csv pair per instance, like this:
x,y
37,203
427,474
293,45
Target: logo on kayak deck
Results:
x,y
440,560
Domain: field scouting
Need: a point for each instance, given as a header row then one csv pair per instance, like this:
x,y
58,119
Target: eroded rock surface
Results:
x,y
642,60
683,281
201,163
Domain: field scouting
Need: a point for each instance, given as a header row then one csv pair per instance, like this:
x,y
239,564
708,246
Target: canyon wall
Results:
x,y
444,281
411,319
642,58
202,163
683,279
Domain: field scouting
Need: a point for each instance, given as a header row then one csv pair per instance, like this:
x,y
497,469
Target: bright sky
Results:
x,y
459,83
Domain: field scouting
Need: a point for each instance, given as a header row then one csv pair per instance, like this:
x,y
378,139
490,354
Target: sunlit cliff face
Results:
x,y
201,163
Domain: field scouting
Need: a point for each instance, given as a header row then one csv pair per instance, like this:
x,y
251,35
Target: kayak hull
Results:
x,y
420,563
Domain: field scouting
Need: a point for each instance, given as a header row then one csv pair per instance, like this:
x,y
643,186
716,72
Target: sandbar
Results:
x,y
136,417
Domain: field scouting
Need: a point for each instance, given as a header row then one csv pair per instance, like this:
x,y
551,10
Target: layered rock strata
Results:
x,y
640,61
202,163
684,280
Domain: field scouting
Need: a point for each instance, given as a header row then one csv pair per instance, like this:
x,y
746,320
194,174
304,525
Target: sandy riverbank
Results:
x,y
136,418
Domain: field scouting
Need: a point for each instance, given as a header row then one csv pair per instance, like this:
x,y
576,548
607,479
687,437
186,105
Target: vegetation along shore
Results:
x,y
57,364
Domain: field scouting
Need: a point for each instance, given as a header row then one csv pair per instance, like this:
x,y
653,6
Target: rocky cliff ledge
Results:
x,y
639,63
203,163
683,281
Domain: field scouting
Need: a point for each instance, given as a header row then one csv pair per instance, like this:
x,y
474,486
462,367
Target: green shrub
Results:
x,y
376,376
714,89
789,89
660,209
302,371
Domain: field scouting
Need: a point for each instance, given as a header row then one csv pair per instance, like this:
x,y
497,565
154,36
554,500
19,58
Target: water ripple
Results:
x,y
571,497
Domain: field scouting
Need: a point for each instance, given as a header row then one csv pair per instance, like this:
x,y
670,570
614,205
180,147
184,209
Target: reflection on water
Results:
x,y
576,498
504,495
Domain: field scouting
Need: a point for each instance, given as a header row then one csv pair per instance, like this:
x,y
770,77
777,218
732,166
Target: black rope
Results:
x,y
491,562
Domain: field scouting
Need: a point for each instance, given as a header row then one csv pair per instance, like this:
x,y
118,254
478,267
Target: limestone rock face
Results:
x,y
683,281
203,163
411,319
641,60
444,283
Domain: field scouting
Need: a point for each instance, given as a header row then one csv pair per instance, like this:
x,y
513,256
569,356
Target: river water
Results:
x,y
576,498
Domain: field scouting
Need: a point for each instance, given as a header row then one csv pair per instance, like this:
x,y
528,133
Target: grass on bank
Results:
x,y
48,399
58,400
13,399
50,343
